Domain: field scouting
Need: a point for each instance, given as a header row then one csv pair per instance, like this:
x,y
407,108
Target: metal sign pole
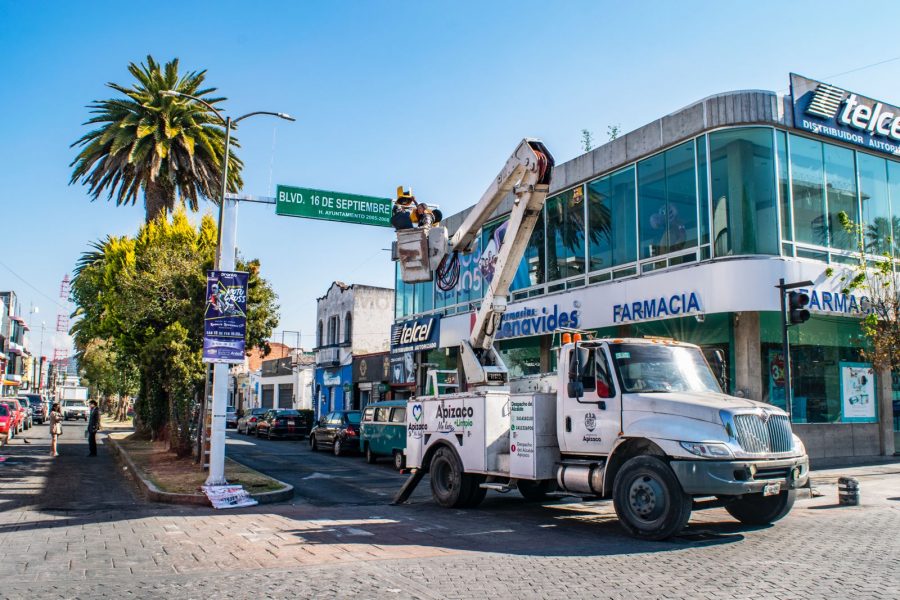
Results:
x,y
228,233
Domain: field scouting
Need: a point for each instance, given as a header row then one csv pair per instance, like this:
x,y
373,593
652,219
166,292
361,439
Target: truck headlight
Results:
x,y
707,449
798,444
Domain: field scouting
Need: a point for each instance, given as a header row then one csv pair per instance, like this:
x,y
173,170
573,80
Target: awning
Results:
x,y
12,383
15,348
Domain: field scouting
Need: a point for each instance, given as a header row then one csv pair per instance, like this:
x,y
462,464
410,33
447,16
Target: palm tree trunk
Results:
x,y
158,200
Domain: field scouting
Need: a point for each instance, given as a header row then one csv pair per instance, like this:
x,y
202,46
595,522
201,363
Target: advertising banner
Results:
x,y
333,206
228,496
225,317
403,369
416,335
834,112
858,401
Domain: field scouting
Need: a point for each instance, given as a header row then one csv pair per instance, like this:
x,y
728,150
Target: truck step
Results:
x,y
497,487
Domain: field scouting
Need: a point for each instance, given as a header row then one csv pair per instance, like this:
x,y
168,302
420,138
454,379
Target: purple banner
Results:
x,y
225,317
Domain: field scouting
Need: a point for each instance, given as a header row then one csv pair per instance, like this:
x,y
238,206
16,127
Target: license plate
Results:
x,y
291,423
772,489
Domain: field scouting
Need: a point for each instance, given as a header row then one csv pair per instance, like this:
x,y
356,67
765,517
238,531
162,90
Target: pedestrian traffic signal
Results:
x,y
797,302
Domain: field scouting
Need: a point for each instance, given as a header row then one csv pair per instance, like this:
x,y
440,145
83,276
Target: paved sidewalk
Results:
x,y
73,527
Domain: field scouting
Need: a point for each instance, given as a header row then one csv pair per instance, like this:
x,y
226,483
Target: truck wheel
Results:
x,y
399,460
476,492
370,456
449,487
536,491
649,500
756,509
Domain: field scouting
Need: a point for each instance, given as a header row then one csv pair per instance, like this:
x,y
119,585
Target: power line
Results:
x,y
869,66
29,284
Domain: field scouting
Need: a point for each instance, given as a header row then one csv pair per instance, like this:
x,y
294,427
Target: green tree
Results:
x,y
146,294
161,146
110,378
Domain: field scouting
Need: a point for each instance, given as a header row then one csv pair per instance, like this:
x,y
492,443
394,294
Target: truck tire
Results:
x,y
449,486
649,500
536,491
756,509
399,460
476,492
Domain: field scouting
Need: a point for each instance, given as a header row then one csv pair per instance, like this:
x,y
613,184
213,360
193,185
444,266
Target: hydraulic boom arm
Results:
x,y
527,176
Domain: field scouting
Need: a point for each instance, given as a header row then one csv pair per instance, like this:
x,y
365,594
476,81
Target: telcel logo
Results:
x,y
411,334
856,113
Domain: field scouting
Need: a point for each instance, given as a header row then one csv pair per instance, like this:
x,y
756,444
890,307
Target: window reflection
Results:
x,y
667,201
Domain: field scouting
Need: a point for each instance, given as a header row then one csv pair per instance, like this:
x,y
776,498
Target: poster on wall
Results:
x,y
776,378
403,368
225,317
858,401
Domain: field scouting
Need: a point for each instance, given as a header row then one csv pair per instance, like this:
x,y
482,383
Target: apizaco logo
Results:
x,y
454,412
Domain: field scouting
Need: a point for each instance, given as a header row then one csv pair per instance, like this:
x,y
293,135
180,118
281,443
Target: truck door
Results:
x,y
590,422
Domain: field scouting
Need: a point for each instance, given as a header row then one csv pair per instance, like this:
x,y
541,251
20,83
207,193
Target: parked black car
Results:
x,y
339,430
247,423
38,408
282,422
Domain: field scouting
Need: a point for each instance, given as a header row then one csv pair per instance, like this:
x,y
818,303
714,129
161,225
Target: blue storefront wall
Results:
x,y
332,397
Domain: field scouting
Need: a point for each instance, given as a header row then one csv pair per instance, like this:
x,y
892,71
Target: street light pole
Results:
x,y
226,248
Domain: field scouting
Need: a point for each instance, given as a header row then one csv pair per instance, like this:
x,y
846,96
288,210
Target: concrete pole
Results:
x,y
228,233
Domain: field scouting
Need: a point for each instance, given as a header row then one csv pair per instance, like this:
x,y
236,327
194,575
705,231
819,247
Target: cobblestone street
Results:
x,y
71,528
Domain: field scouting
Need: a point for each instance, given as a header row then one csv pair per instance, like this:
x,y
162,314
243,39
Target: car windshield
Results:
x,y
258,411
287,413
73,403
353,417
653,368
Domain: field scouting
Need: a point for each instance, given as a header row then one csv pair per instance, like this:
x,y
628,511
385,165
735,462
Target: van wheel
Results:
x,y
756,509
370,456
449,487
649,500
399,460
536,491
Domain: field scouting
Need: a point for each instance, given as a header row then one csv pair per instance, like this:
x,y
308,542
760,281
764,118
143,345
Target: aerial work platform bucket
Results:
x,y
419,251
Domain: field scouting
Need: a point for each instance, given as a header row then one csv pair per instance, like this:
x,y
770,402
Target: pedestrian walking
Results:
x,y
93,427
56,419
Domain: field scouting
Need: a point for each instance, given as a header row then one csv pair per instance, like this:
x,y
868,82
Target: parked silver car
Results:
x,y
75,409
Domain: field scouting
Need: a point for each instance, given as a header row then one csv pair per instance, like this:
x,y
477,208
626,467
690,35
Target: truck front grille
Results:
x,y
758,436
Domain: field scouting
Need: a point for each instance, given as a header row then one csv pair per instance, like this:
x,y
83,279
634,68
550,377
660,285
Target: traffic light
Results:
x,y
798,313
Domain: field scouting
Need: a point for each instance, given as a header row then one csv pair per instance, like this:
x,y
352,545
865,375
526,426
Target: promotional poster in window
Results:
x,y
225,317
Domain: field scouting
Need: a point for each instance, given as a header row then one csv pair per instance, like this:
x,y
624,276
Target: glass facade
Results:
x,y
732,192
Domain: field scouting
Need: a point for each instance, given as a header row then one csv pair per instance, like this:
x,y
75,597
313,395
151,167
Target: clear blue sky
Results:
x,y
429,94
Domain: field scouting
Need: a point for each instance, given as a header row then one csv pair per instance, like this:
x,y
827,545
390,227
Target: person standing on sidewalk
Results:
x,y
55,427
93,427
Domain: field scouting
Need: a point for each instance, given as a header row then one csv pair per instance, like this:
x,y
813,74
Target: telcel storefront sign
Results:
x,y
415,335
828,110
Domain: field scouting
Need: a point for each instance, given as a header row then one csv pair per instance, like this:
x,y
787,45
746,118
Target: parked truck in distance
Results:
x,y
641,422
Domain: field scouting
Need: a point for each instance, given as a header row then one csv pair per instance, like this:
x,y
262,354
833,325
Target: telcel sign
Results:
x,y
416,335
834,112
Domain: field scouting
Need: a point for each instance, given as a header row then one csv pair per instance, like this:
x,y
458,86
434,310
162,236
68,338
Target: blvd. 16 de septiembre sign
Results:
x,y
332,206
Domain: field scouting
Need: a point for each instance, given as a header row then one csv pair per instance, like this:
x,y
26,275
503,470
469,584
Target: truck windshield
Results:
x,y
658,368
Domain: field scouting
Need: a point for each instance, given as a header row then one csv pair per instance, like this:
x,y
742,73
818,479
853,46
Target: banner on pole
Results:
x,y
228,496
225,317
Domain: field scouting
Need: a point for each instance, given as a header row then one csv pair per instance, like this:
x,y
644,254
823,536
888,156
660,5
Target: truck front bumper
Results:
x,y
738,477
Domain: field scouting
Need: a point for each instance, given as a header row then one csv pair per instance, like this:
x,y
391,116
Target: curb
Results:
x,y
155,494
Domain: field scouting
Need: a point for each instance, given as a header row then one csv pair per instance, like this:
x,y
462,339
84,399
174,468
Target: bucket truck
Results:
x,y
641,422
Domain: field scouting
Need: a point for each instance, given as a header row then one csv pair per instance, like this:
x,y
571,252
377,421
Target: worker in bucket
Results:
x,y
407,213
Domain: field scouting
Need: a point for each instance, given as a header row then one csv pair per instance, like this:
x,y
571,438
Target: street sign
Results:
x,y
332,206
225,317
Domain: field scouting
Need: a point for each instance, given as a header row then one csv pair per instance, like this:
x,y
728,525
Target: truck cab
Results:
x,y
642,422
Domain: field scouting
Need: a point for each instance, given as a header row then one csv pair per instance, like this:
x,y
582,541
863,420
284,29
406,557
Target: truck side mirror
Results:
x,y
575,389
719,364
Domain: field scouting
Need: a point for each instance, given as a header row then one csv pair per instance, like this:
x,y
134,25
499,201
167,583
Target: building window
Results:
x,y
348,328
808,191
879,226
611,220
333,325
784,186
319,337
565,234
840,195
667,201
744,209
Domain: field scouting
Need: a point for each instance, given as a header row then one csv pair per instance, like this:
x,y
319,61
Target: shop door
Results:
x,y
268,396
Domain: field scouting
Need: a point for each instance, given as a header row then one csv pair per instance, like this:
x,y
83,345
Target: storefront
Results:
x,y
683,228
414,349
371,379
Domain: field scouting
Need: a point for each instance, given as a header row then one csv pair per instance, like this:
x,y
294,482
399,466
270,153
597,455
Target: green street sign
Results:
x,y
332,206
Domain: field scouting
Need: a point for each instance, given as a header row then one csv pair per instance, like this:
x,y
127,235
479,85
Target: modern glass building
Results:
x,y
683,227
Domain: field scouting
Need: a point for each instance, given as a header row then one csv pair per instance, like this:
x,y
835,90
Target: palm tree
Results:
x,y
159,145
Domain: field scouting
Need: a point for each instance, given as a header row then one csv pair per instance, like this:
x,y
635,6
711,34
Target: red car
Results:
x,y
17,413
6,418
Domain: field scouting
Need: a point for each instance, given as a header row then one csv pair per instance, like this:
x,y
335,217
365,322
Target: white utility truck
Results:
x,y
643,422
